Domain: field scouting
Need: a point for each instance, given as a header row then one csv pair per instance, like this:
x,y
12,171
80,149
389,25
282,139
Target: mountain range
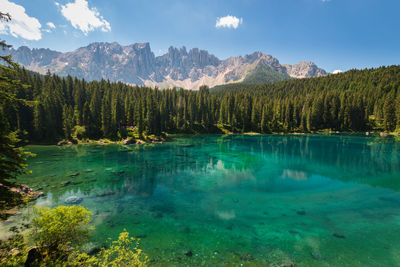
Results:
x,y
137,64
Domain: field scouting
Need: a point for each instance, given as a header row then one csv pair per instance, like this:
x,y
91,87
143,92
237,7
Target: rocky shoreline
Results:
x,y
14,196
127,141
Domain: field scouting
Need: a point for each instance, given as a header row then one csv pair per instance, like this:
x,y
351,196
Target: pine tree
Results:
x,y
389,113
12,156
398,112
106,115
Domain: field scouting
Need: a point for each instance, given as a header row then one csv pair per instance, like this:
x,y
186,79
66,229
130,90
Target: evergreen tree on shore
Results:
x,y
98,109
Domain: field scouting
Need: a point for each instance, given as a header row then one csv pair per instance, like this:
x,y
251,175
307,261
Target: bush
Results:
x,y
57,230
58,235
123,252
12,251
79,132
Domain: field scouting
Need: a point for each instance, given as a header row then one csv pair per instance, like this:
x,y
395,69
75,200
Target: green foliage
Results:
x,y
12,156
56,230
389,112
58,234
123,252
13,251
341,102
264,74
79,132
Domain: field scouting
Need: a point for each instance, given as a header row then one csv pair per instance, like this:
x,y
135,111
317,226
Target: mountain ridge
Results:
x,y
137,64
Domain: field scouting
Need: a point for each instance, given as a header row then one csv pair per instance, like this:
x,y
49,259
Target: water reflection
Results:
x,y
231,161
295,175
258,195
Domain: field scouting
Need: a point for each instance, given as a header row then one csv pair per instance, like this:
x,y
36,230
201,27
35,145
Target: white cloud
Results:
x,y
84,18
337,71
21,25
228,22
51,25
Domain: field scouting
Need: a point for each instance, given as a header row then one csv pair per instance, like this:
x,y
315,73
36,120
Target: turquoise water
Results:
x,y
226,200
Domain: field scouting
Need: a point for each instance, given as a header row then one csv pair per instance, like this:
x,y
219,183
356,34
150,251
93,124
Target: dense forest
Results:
x,y
63,107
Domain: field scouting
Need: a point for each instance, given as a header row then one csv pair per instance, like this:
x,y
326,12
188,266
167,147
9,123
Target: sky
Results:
x,y
335,34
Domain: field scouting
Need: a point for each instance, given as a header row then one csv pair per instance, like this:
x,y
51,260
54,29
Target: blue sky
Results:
x,y
335,34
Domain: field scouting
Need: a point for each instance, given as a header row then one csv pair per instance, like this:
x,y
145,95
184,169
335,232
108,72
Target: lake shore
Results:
x,y
13,197
168,137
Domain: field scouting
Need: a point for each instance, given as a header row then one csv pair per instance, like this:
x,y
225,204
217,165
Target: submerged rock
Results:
x,y
316,255
339,236
189,253
66,183
25,191
12,212
105,194
73,200
301,212
118,173
187,145
8,222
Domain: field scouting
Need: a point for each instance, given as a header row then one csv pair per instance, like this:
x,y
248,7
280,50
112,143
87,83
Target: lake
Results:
x,y
221,200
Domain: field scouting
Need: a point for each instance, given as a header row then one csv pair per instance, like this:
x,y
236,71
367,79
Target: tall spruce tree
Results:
x,y
12,156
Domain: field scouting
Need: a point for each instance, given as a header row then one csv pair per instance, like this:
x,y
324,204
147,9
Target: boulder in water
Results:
x,y
73,200
67,183
189,253
128,141
301,212
339,236
64,143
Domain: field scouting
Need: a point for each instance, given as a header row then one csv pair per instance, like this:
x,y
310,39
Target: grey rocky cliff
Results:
x,y
304,70
137,64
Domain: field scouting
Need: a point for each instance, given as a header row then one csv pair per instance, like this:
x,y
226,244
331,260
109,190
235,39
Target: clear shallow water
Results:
x,y
311,200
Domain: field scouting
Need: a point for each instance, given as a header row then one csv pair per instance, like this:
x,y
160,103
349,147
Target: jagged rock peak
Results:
x,y
137,64
305,69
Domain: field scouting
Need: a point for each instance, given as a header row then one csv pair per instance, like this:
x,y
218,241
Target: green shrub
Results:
x,y
79,132
58,234
56,231
123,252
13,251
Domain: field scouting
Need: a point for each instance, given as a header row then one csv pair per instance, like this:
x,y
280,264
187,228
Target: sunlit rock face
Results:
x,y
137,64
